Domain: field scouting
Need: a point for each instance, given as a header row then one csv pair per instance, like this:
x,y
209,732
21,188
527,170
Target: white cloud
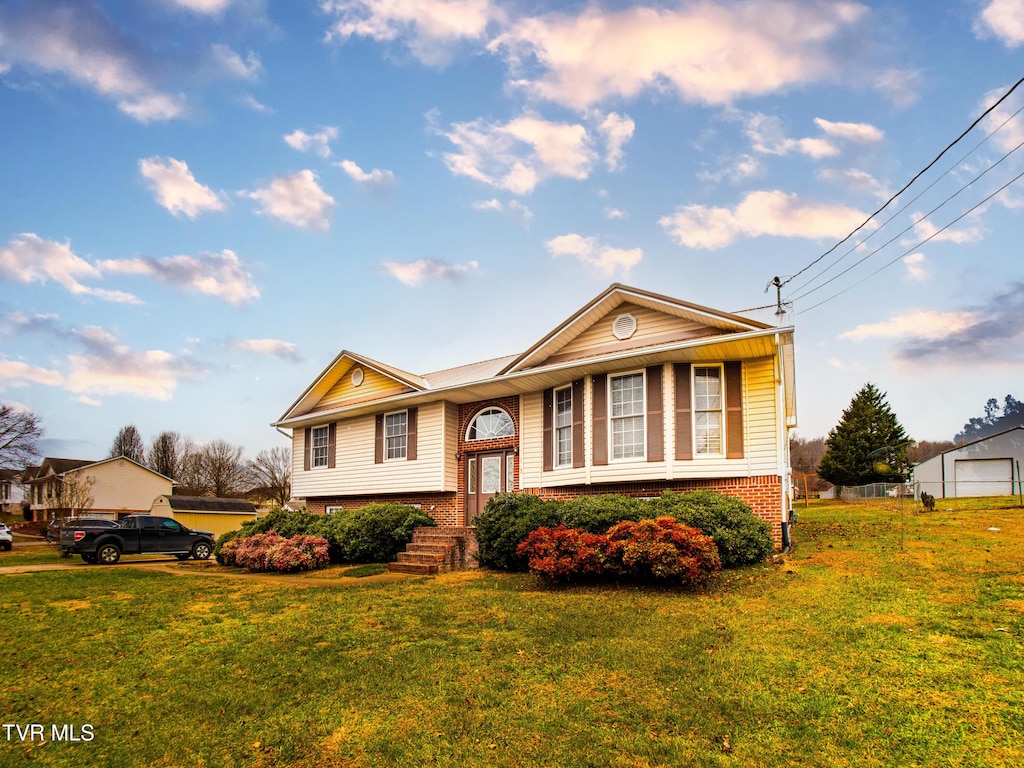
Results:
x,y
513,209
231,62
601,257
430,28
285,350
900,86
617,130
378,179
30,259
207,7
1011,133
925,324
855,180
737,169
494,204
768,137
17,373
318,143
760,213
415,272
79,43
861,133
614,213
222,275
518,155
707,52
924,229
1004,19
250,101
297,199
916,268
176,188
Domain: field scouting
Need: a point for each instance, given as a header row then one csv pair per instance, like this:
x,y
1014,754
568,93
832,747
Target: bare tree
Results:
x,y
20,431
74,494
272,474
165,454
128,443
215,469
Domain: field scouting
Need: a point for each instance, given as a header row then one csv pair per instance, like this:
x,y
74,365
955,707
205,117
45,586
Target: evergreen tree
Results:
x,y
996,419
128,443
854,452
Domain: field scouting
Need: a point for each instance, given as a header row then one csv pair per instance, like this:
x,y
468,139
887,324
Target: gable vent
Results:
x,y
357,377
624,327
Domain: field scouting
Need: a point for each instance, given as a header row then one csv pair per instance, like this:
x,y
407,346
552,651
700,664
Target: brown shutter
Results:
x,y
307,449
332,443
378,440
549,419
600,390
655,415
684,413
734,410
411,426
578,456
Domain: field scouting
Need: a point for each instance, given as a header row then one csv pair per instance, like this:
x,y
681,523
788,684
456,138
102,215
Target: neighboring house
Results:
x,y
12,492
111,488
205,513
986,467
636,393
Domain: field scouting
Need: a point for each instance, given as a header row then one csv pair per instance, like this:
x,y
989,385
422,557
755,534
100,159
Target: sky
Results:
x,y
203,201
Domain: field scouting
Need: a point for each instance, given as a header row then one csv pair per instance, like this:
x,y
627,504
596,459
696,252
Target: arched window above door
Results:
x,y
490,423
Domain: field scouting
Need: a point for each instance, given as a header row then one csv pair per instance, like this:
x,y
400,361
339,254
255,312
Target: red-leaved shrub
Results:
x,y
565,554
264,552
663,550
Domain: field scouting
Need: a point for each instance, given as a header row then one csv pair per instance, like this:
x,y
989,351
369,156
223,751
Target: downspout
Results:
x,y
785,470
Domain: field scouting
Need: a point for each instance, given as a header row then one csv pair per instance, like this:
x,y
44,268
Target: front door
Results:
x,y
487,473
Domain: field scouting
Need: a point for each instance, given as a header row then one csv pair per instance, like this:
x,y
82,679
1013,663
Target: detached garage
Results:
x,y
205,513
986,467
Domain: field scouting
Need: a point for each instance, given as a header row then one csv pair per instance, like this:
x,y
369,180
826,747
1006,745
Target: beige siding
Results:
x,y
355,471
122,486
375,385
216,523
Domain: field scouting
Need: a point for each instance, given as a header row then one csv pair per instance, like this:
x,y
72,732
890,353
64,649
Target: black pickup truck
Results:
x,y
135,535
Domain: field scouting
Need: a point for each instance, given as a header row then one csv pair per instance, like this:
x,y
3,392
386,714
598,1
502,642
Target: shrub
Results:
x,y
596,514
505,523
284,522
263,552
219,548
563,554
374,533
663,550
742,537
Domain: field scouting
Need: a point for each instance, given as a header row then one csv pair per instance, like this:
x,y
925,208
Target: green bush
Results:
x,y
374,533
596,514
742,537
505,523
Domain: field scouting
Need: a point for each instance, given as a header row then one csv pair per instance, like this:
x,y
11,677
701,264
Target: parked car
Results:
x,y
53,529
6,538
135,535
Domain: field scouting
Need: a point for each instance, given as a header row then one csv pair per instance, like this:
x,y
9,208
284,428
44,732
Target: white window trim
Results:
x,y
384,426
472,421
611,419
557,463
695,411
313,463
332,510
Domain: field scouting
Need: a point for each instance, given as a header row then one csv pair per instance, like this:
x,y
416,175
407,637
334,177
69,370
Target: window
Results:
x,y
707,411
563,427
627,416
332,510
320,437
396,435
491,423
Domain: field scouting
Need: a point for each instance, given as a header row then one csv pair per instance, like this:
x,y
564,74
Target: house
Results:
x,y
635,393
111,488
205,513
12,492
989,466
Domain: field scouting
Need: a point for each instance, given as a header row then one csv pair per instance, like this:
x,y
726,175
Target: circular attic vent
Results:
x,y
624,327
357,377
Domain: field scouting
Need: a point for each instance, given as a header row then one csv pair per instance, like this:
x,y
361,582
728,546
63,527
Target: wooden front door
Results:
x,y
487,473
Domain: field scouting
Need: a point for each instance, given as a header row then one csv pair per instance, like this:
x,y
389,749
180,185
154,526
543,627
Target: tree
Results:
x,y
128,443
74,494
927,449
996,419
272,474
215,469
868,445
20,431
165,454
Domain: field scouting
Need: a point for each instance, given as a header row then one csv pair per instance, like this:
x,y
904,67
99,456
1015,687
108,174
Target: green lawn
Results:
x,y
857,650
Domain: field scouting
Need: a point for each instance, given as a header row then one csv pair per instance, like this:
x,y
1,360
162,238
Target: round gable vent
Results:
x,y
624,327
357,377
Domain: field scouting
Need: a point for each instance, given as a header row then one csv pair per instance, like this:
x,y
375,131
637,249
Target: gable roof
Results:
x,y
207,504
699,332
63,466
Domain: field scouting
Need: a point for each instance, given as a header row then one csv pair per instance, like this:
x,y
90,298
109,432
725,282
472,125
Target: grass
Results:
x,y
854,650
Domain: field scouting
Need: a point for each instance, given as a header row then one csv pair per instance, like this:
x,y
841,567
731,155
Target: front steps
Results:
x,y
439,549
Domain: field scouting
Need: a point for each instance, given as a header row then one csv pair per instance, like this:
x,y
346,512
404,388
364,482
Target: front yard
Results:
x,y
882,640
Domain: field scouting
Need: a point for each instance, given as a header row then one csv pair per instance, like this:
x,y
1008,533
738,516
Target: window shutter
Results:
x,y
332,443
378,440
734,410
600,390
411,426
578,455
655,415
549,409
684,413
307,448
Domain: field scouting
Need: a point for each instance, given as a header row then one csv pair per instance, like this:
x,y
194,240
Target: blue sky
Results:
x,y
204,201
